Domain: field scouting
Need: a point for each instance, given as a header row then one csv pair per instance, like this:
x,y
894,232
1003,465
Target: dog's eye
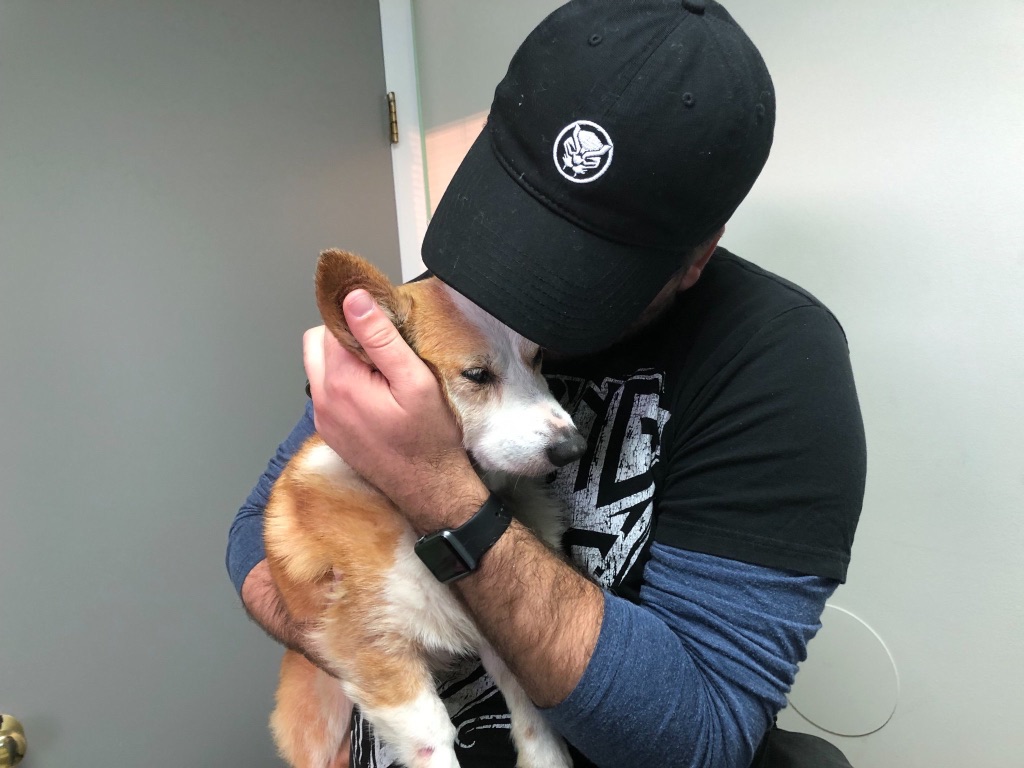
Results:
x,y
478,375
538,358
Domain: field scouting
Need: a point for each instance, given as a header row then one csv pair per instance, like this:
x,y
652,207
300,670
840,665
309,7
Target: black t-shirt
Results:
x,y
729,427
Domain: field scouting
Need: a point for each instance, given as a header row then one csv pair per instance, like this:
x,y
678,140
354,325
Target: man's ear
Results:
x,y
706,249
338,273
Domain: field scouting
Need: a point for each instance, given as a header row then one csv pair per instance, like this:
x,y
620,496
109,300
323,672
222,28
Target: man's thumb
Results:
x,y
375,332
358,305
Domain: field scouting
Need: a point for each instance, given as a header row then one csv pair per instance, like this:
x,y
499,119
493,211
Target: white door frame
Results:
x,y
408,162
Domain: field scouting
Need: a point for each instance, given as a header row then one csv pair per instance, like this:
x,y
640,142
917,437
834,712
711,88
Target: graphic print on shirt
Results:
x,y
610,492
609,497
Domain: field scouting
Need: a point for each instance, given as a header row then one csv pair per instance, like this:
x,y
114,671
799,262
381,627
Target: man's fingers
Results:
x,y
329,365
380,339
313,359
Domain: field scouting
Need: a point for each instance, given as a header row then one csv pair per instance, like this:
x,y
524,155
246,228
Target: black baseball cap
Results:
x,y
623,135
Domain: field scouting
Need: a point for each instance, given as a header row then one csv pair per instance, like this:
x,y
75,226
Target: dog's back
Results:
x,y
342,555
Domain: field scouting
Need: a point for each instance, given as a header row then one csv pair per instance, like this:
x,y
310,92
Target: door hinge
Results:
x,y
393,117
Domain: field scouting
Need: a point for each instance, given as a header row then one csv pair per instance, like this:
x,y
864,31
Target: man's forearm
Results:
x,y
264,604
540,614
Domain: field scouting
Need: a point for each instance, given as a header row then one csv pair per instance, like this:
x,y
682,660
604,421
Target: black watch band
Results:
x,y
452,553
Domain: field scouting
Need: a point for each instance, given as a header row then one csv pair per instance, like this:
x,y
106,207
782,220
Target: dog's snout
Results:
x,y
568,446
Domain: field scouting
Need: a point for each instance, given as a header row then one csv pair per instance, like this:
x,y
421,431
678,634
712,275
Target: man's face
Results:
x,y
659,304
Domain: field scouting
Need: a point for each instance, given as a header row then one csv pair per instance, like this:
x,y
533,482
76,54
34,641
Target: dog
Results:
x,y
383,626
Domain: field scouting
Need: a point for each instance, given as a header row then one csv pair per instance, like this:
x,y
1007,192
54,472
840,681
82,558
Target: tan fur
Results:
x,y
322,519
338,274
304,699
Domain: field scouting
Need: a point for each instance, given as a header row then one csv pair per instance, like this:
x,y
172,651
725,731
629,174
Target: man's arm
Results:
x,y
541,615
694,674
264,604
245,537
246,557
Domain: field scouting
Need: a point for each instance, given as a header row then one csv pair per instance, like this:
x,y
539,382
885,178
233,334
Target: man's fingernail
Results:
x,y
360,304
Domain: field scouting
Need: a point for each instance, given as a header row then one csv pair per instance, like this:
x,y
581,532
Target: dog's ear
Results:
x,y
338,273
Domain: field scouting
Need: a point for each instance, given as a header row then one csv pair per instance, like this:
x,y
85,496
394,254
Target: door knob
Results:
x,y
12,742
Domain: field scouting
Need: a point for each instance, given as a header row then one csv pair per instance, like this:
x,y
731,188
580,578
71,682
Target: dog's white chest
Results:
x,y
421,607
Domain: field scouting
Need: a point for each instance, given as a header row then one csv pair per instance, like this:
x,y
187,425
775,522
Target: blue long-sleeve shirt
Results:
x,y
245,538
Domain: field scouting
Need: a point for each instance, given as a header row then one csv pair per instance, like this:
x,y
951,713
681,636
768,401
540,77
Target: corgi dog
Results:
x,y
386,621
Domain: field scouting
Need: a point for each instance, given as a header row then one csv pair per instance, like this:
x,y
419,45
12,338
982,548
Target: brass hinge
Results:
x,y
393,117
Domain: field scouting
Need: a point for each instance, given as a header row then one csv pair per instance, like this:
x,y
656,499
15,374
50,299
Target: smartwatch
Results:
x,y
452,553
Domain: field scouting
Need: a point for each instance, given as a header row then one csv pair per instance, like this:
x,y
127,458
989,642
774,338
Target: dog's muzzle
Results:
x,y
569,445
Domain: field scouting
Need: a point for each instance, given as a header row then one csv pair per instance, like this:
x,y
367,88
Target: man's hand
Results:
x,y
391,424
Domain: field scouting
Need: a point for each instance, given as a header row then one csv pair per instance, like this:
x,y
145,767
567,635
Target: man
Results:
x,y
714,511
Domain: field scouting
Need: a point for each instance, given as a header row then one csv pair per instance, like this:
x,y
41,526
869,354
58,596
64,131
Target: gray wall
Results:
x,y
168,173
463,49
894,193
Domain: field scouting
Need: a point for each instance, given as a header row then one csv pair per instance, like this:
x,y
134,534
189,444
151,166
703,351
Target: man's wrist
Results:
x,y
446,500
454,553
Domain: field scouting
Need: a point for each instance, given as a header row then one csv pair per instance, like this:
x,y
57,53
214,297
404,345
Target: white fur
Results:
x,y
323,461
420,606
536,743
513,432
420,731
532,504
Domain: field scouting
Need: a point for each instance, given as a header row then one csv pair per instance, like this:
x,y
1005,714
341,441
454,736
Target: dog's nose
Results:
x,y
569,446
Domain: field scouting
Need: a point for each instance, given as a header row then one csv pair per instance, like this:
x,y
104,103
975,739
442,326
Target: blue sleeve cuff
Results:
x,y
626,708
574,714
245,539
694,674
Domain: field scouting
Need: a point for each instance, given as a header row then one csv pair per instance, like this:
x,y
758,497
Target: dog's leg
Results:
x,y
537,744
312,715
386,675
407,713
420,731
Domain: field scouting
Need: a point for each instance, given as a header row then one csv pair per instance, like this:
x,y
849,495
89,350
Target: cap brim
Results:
x,y
539,273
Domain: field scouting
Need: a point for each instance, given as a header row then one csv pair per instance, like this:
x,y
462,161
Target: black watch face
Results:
x,y
440,556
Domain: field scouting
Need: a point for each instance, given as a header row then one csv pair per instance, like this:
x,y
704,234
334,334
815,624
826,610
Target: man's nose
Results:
x,y
567,447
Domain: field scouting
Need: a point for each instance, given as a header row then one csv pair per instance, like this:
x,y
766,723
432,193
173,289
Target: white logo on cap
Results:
x,y
583,151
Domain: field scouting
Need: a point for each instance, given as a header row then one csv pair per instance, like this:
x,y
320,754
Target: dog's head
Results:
x,y
489,374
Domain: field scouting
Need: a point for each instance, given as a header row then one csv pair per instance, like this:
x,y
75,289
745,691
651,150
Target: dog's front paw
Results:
x,y
430,757
544,750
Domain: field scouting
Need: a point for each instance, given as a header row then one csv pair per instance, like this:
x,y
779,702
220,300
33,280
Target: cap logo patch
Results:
x,y
583,151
